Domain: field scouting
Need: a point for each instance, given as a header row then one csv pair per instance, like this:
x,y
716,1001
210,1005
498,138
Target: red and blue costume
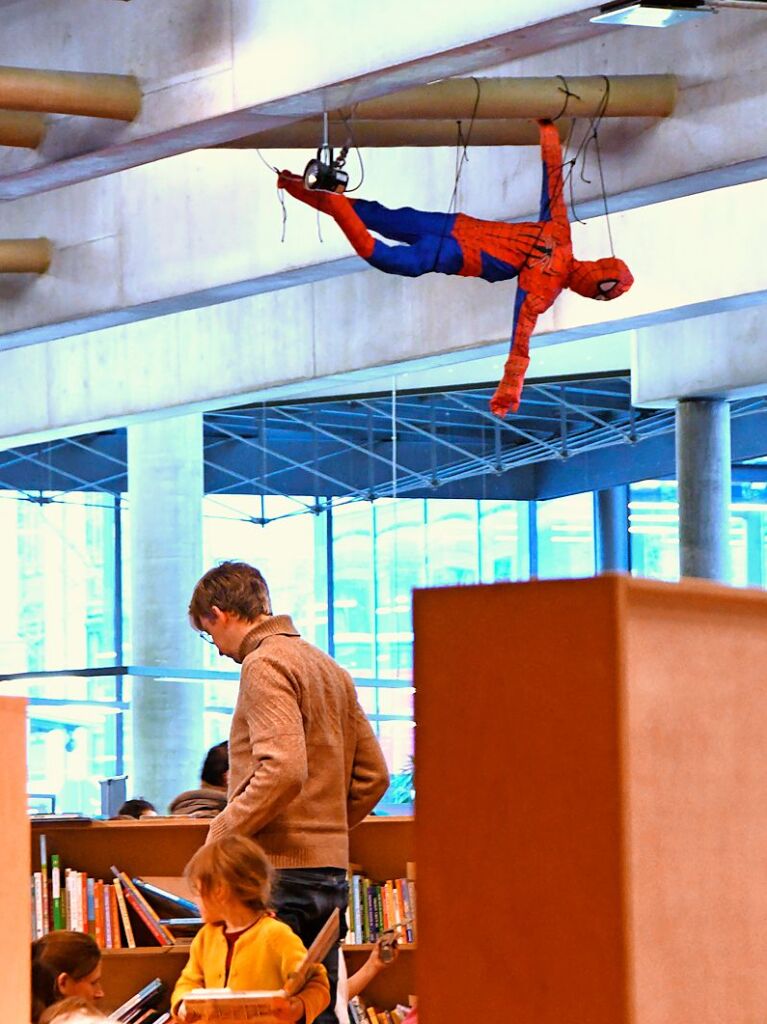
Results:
x,y
539,253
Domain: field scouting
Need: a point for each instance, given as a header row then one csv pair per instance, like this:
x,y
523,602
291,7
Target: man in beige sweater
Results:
x,y
304,763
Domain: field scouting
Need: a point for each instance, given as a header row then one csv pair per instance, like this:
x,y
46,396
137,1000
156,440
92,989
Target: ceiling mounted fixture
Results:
x,y
662,13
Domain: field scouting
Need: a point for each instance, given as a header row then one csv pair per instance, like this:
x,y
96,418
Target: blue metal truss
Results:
x,y
568,436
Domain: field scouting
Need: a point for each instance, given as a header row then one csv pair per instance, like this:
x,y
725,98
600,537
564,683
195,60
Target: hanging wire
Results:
x,y
353,145
462,148
394,437
592,136
463,145
280,195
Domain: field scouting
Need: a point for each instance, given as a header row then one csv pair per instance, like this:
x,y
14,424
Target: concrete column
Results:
x,y
704,473
611,518
165,488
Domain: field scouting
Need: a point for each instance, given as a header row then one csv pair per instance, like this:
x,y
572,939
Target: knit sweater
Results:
x,y
263,958
304,763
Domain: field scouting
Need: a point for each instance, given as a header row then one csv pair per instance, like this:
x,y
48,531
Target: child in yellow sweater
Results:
x,y
242,946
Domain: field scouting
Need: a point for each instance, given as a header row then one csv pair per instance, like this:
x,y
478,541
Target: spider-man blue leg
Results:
x,y
424,252
429,245
403,224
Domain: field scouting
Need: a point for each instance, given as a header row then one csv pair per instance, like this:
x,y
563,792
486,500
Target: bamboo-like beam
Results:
x,y
483,98
25,255
70,92
21,128
379,134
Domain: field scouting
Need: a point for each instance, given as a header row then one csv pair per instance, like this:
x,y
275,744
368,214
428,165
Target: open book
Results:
x,y
222,1004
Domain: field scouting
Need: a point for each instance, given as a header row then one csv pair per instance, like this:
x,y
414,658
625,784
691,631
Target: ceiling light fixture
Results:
x,y
662,13
652,14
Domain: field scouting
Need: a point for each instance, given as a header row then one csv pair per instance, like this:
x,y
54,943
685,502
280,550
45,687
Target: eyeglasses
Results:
x,y
207,638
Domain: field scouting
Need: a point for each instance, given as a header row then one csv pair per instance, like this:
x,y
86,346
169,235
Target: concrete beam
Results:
x,y
368,325
150,241
719,356
214,72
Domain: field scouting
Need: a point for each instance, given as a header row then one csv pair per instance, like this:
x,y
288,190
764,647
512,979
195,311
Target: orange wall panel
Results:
x,y
591,832
15,934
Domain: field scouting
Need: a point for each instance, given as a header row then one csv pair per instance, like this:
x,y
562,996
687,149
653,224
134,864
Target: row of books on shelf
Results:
x,y
106,909
361,1013
380,908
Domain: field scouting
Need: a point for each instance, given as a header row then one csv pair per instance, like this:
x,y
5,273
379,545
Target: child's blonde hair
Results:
x,y
238,863
71,1011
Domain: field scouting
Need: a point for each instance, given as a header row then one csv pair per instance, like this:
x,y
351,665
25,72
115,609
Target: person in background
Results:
x,y
137,808
65,963
74,1010
210,798
305,765
242,946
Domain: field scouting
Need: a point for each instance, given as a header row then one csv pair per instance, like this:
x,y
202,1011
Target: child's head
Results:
x,y
74,961
74,1010
137,808
233,870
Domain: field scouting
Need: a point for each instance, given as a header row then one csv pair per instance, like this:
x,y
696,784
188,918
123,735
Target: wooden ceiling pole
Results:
x,y
21,128
624,96
378,134
70,92
25,255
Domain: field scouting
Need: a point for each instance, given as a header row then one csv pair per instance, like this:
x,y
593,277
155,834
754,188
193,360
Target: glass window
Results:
x,y
285,550
399,532
504,540
452,542
58,561
654,529
566,537
354,574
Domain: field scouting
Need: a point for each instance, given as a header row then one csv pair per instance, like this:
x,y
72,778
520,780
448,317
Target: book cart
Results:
x,y
159,848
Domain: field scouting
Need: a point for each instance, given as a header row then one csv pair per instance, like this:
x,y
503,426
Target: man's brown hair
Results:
x,y
238,863
232,587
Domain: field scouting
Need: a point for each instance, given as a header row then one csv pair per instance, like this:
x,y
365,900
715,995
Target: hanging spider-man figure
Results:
x,y
539,253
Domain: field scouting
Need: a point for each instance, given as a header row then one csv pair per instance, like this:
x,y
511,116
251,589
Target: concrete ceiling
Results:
x,y
139,236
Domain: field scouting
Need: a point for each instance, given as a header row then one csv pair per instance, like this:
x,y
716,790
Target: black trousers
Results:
x,y
304,898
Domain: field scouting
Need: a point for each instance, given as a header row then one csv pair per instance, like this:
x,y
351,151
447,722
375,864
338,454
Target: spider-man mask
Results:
x,y
600,279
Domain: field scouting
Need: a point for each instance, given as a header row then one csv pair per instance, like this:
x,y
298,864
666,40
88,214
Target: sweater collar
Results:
x,y
274,625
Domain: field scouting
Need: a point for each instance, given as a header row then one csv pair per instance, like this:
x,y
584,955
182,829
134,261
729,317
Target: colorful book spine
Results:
x,y
357,1011
142,908
58,919
379,913
114,916
403,904
108,936
356,909
98,914
124,916
367,908
44,882
88,895
38,888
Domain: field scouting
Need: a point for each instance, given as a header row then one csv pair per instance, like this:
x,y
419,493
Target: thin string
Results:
x,y
460,142
280,195
565,88
353,144
593,136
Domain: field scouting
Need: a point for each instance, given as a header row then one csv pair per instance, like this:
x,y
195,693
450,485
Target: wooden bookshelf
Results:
x,y
597,833
384,847
162,846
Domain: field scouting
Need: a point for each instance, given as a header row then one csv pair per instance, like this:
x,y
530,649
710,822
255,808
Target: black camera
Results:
x,y
325,172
